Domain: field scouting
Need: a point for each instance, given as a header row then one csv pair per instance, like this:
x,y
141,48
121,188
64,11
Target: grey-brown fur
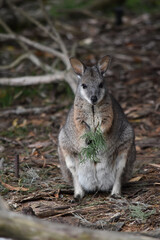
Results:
x,y
116,162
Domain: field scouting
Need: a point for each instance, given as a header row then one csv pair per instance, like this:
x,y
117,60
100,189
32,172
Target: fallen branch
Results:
x,y
17,226
22,111
67,76
32,80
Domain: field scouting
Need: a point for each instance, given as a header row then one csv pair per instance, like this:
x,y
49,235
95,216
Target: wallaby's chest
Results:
x,y
93,116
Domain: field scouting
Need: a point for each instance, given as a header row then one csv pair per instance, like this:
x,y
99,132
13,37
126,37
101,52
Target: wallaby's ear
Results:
x,y
77,66
103,64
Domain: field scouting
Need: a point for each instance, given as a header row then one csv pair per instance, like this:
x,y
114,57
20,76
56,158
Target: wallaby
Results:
x,y
95,106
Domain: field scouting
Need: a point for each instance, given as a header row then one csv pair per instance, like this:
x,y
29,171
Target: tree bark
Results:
x,y
17,226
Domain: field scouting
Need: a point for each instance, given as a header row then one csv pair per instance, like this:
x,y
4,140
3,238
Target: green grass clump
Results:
x,y
139,212
96,143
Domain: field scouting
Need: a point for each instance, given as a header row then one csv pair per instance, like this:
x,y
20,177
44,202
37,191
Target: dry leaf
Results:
x,y
37,122
23,124
158,130
154,165
39,144
14,188
31,134
57,194
15,122
136,179
138,149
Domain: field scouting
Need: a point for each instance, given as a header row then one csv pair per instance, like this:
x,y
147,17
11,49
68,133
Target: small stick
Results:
x,y
16,162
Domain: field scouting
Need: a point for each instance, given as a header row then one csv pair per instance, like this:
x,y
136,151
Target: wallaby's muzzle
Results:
x,y
94,99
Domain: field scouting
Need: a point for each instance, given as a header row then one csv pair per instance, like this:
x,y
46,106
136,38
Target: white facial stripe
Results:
x,y
84,95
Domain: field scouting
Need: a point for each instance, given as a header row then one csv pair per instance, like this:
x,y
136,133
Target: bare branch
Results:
x,y
7,28
34,44
28,55
40,64
53,29
56,38
32,80
23,41
31,57
31,19
15,62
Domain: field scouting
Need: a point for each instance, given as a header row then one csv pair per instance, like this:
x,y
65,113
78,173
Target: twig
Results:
x,y
40,64
15,62
7,140
53,29
8,30
16,162
73,49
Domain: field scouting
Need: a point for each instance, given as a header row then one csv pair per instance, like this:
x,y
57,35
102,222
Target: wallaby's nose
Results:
x,y
94,99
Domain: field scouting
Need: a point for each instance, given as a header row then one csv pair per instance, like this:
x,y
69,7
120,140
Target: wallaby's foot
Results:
x,y
78,195
116,190
77,198
115,196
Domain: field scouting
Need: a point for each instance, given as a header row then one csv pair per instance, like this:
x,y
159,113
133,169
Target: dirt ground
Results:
x,y
134,80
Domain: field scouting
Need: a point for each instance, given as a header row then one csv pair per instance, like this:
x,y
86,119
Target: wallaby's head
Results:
x,y
91,84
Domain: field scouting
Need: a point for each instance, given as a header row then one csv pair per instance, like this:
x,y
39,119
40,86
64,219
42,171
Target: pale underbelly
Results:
x,y
99,176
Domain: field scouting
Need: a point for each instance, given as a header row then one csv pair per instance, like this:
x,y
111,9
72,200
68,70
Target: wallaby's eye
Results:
x,y
84,86
101,85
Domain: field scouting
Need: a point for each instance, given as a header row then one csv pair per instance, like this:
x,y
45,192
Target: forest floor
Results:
x,y
134,80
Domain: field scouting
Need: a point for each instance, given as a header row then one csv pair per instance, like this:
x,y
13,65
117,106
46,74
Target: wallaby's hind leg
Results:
x,y
65,171
121,164
71,165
